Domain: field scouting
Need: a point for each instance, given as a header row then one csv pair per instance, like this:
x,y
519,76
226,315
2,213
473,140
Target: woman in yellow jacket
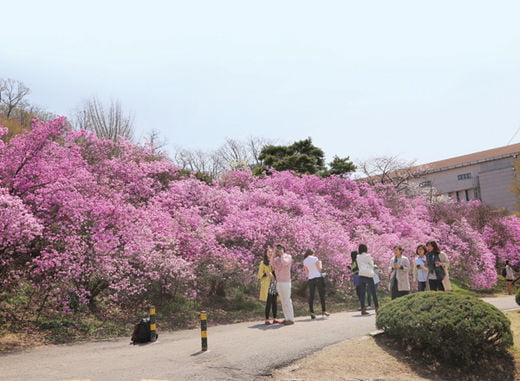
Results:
x,y
268,291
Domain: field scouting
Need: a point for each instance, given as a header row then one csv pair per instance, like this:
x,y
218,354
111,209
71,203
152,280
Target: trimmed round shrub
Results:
x,y
517,297
452,328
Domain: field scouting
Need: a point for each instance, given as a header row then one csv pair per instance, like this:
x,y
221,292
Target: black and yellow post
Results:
x,y
153,327
204,330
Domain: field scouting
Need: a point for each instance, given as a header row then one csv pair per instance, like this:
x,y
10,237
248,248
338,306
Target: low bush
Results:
x,y
450,327
517,297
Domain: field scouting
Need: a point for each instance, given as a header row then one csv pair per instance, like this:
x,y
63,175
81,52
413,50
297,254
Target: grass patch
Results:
x,y
514,317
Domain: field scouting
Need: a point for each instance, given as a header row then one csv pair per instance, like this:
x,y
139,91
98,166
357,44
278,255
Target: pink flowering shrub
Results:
x,y
90,217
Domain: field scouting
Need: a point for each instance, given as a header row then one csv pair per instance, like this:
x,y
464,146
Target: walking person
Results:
x,y
281,264
399,273
313,268
366,277
420,270
268,291
510,276
438,263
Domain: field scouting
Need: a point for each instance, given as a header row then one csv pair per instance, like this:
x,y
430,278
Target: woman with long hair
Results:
x,y
438,264
268,291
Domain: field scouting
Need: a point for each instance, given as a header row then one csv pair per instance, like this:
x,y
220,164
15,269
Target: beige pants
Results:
x,y
284,291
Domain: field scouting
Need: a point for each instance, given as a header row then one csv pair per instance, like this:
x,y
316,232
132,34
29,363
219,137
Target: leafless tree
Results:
x,y
12,94
107,122
155,141
198,161
233,154
390,170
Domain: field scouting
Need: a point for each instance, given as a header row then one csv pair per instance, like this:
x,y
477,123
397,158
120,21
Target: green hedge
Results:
x,y
453,328
517,297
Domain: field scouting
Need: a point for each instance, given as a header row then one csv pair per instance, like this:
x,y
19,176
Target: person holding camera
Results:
x,y
281,264
420,272
268,291
313,267
399,273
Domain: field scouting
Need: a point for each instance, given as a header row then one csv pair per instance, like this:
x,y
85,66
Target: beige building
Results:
x,y
485,176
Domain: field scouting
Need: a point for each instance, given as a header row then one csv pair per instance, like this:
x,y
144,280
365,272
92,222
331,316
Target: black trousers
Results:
x,y
395,290
270,305
366,284
436,285
318,283
421,286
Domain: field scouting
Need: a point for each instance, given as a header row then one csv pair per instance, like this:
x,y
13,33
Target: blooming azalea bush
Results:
x,y
92,217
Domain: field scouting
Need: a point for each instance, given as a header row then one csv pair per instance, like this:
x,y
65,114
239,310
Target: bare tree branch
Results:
x,y
12,94
389,170
108,123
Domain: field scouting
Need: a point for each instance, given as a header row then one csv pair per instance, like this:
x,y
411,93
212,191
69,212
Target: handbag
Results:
x,y
440,273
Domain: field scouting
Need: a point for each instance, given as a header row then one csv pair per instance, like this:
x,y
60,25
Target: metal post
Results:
x,y
204,330
153,327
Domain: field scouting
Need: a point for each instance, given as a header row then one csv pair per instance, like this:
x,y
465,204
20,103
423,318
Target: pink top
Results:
x,y
282,267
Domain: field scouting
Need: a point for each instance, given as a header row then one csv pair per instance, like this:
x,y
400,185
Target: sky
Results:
x,y
421,80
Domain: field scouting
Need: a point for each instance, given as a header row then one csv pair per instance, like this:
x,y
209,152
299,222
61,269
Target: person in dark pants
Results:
x,y
313,268
268,293
355,271
420,271
366,277
399,271
434,266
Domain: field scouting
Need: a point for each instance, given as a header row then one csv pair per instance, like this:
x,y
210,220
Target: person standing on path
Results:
x,y
313,267
510,276
420,270
355,272
281,264
366,277
268,291
399,274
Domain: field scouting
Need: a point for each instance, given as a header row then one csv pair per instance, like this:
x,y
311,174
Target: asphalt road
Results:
x,y
244,351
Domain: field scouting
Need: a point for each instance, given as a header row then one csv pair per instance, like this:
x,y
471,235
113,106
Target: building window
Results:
x,y
466,193
425,184
464,176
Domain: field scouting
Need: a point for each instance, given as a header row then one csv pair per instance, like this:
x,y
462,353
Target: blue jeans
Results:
x,y
366,284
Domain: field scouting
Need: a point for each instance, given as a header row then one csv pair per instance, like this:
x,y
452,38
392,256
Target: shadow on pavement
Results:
x,y
264,327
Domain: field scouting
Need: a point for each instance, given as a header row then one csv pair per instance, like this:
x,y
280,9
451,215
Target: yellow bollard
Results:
x,y
153,326
204,330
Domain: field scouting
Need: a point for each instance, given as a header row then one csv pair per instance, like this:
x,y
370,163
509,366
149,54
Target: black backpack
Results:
x,y
504,272
142,332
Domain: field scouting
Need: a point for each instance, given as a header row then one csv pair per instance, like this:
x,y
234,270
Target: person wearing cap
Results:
x,y
281,264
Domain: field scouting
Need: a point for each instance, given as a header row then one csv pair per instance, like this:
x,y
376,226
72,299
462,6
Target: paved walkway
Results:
x,y
241,351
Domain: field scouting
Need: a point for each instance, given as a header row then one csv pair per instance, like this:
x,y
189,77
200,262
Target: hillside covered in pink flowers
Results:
x,y
83,218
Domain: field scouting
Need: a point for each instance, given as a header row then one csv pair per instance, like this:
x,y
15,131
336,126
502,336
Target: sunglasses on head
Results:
x,y
279,246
